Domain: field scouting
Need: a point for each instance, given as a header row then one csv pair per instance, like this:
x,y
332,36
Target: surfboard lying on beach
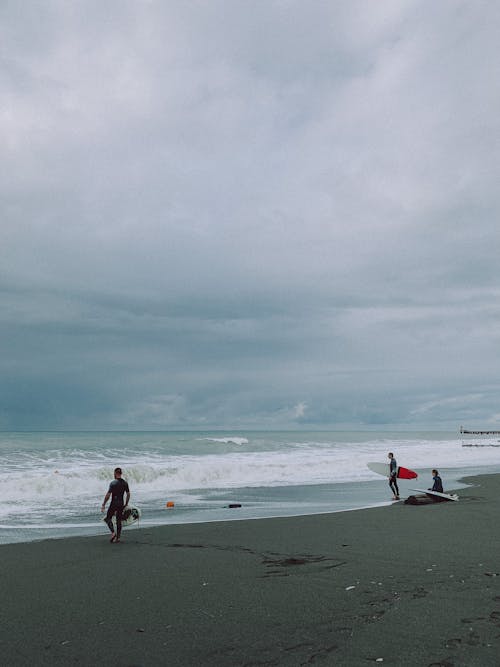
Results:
x,y
383,469
130,515
437,494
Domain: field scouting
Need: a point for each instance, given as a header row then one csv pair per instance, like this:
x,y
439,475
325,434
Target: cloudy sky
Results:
x,y
249,214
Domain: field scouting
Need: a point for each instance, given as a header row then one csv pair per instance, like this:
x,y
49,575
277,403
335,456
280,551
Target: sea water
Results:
x,y
52,484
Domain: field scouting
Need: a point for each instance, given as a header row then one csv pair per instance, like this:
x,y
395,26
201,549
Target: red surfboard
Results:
x,y
406,473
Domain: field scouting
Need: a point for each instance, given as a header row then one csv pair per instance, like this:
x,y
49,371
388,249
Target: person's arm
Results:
x,y
127,497
106,498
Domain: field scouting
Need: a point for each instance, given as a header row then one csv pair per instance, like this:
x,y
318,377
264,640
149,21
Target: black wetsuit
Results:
x,y
393,467
438,484
118,488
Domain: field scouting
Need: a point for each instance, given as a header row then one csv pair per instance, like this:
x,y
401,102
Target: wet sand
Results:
x,y
400,585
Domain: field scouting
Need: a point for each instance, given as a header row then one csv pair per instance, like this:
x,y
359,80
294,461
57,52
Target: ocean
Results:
x,y
52,484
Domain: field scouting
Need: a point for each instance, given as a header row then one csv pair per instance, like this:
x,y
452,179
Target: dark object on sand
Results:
x,y
423,500
430,498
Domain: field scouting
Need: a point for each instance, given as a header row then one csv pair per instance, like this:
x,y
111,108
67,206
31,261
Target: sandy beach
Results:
x,y
398,585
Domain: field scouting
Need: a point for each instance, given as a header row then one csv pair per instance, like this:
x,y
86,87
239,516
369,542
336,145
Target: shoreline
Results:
x,y
189,523
417,586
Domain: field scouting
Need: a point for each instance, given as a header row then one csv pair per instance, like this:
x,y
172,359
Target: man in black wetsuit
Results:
x,y
117,489
393,475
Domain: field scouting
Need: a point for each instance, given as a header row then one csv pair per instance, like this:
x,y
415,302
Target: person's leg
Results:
x,y
109,517
109,521
119,511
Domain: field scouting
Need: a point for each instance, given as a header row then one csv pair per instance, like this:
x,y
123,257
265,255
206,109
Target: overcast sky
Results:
x,y
249,214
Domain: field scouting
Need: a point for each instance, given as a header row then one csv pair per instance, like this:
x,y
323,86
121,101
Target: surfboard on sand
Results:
x,y
383,469
437,495
130,515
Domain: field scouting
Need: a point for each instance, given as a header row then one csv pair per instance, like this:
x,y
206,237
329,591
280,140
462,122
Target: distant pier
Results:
x,y
466,432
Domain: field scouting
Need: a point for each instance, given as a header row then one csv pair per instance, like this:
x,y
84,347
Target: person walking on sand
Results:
x,y
393,475
117,489
438,484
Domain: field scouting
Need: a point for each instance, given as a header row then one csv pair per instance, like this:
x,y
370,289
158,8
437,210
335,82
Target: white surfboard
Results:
x,y
438,494
130,515
379,468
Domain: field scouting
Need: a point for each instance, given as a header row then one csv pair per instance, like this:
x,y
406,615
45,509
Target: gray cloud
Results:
x,y
270,214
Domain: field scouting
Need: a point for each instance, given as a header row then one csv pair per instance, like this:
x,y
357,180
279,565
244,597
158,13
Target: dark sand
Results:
x,y
399,585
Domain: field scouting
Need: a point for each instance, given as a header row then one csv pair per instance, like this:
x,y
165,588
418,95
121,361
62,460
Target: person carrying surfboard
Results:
x,y
117,489
393,475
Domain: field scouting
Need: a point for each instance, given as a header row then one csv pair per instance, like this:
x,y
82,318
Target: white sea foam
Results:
x,y
231,440
151,474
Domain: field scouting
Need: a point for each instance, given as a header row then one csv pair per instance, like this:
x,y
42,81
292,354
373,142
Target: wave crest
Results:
x,y
233,440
